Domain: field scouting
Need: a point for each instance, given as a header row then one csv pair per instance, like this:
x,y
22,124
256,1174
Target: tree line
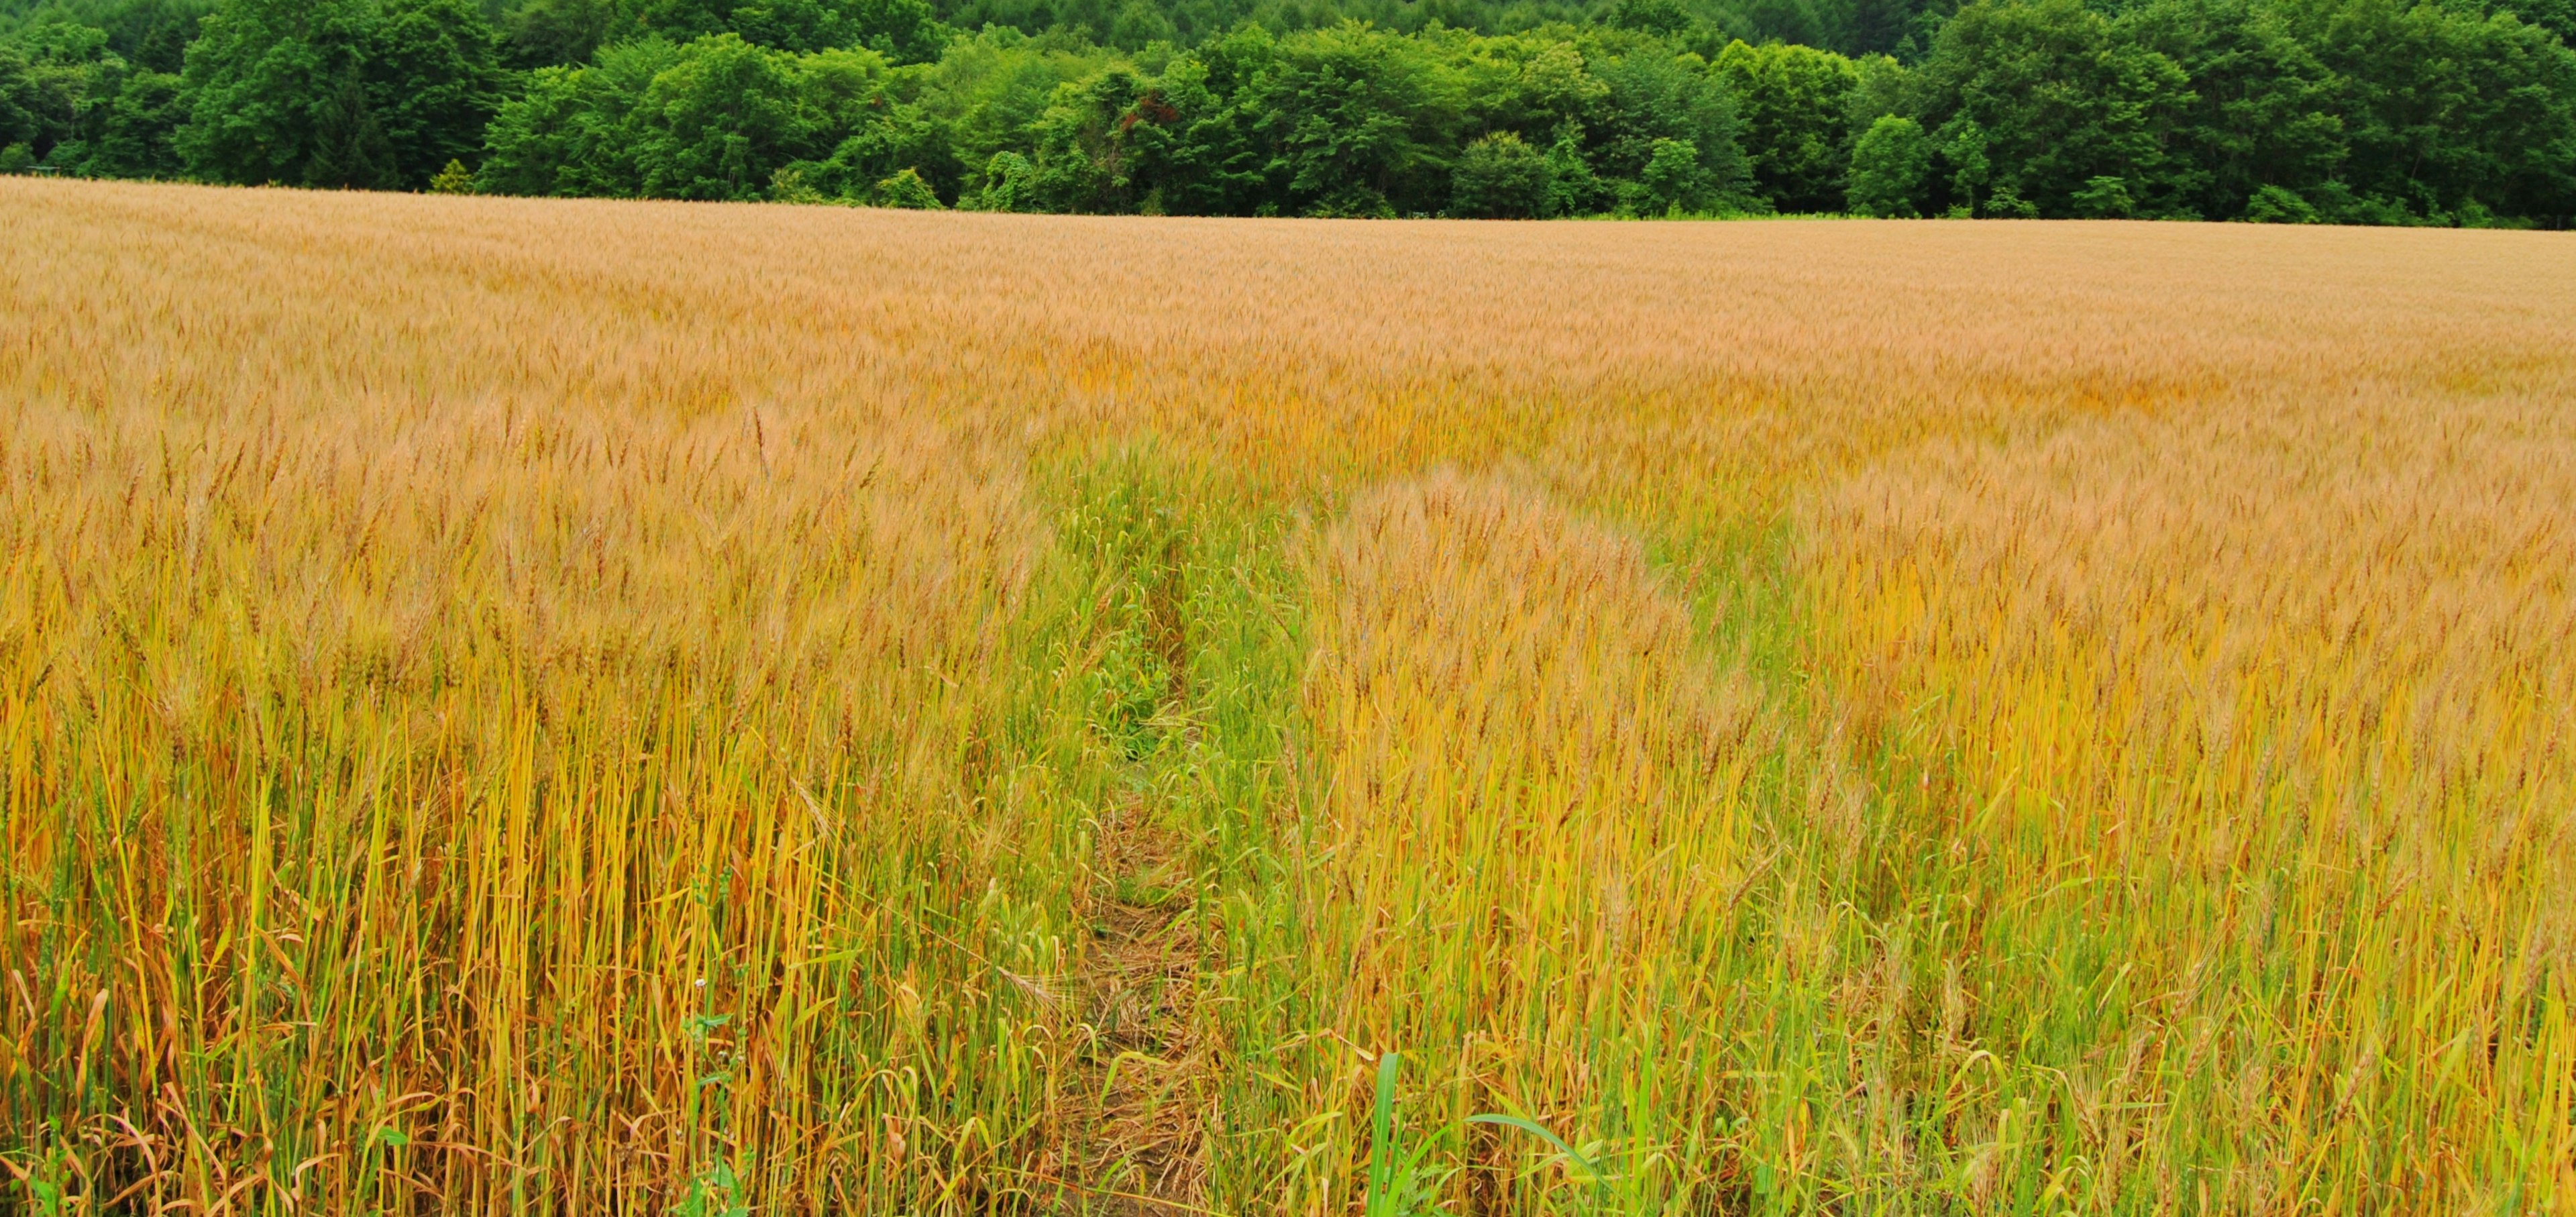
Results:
x,y
2352,111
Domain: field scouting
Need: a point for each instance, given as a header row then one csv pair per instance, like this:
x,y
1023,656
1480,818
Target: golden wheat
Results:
x,y
562,706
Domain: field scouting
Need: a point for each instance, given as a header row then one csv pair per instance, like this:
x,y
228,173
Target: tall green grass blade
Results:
x,y
1381,1177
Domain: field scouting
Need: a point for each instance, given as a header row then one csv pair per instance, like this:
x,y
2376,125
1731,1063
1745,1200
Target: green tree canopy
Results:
x,y
276,92
2262,111
1500,177
1659,95
900,29
434,81
338,92
2364,111
1889,164
1793,103
2060,100
1355,120
2446,112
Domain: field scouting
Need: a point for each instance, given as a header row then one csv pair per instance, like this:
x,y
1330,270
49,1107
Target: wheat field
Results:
x,y
570,707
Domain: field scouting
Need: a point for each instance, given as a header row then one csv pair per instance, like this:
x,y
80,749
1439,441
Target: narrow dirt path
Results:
x,y
1147,1079
1145,1070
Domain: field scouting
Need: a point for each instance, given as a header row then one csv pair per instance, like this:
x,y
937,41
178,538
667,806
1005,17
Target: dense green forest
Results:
x,y
2355,111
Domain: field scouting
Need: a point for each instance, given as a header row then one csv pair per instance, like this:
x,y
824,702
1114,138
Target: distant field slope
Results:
x,y
575,707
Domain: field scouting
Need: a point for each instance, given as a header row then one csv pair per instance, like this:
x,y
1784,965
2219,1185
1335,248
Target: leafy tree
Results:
x,y
1792,103
2060,100
148,35
1006,185
906,191
2006,203
1665,18
139,138
276,92
1355,120
20,124
1880,86
851,95
338,92
153,35
1205,147
2262,112
1139,24
1961,143
2395,111
552,33
536,138
1500,177
1655,95
1572,187
2105,197
434,82
718,119
349,148
1530,85
1888,167
985,91
575,131
2556,16
718,123
1082,162
2278,205
1880,27
58,84
1800,22
904,30
2446,113
1673,178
